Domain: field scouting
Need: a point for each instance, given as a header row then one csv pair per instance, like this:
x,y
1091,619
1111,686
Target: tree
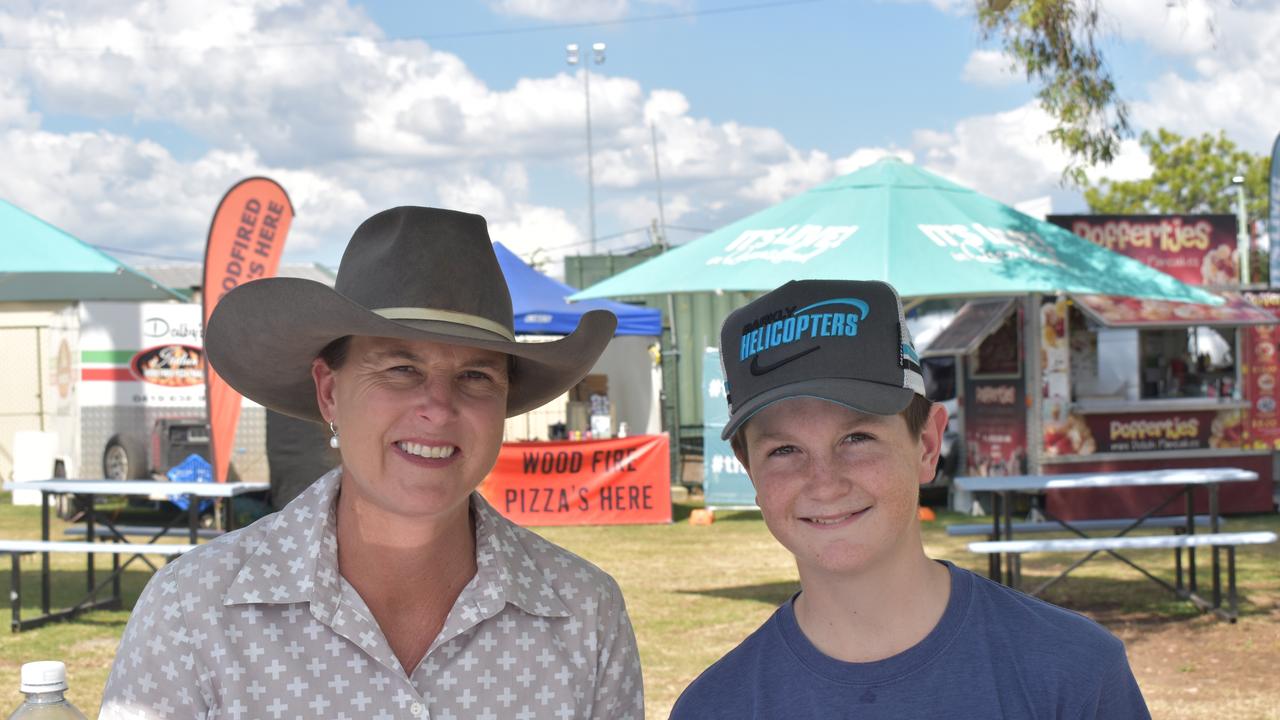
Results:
x,y
1054,43
1188,175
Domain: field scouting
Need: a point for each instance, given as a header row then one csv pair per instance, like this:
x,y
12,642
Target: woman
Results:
x,y
389,588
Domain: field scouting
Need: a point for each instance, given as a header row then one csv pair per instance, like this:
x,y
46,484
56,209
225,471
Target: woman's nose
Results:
x,y
437,399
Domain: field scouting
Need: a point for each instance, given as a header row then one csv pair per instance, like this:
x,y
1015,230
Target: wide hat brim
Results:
x,y
263,336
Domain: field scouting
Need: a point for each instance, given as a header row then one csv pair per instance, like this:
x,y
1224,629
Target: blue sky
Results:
x,y
124,123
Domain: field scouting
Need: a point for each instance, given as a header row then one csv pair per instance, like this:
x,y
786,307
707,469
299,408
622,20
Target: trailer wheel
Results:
x,y
125,458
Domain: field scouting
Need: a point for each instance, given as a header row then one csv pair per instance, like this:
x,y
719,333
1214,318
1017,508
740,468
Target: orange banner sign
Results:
x,y
593,482
246,239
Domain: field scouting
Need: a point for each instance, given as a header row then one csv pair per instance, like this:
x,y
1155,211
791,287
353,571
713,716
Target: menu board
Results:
x,y
1260,372
995,427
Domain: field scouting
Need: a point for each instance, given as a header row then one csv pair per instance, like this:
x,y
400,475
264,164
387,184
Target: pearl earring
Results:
x,y
333,441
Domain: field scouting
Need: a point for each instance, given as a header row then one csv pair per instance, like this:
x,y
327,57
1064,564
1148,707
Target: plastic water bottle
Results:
x,y
43,683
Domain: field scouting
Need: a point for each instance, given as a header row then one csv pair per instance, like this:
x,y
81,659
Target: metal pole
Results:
x,y
657,175
591,181
1242,231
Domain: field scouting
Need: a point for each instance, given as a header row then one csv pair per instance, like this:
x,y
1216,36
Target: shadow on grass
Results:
x,y
774,593
680,512
1133,601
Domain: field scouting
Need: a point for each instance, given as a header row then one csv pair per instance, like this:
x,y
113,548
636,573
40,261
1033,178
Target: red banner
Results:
x,y
246,239
1196,249
594,482
1261,369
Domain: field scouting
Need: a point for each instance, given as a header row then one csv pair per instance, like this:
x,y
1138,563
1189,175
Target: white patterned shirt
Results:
x,y
260,624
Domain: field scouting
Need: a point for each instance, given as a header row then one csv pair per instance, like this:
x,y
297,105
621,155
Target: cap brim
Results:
x,y
861,395
263,336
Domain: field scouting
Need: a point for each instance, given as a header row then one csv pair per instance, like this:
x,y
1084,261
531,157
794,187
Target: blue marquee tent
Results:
x,y
541,309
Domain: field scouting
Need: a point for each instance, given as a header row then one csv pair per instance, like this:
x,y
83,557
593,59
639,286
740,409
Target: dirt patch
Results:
x,y
1204,667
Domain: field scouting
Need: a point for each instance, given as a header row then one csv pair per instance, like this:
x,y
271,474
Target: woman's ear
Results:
x,y
325,381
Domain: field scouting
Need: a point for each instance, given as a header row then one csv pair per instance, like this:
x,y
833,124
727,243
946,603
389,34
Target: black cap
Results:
x,y
840,340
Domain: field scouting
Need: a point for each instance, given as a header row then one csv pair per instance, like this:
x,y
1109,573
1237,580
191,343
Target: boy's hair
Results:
x,y
915,415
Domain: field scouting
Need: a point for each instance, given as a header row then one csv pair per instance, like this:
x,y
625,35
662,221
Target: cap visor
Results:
x,y
861,395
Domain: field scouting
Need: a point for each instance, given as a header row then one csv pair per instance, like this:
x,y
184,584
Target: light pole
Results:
x,y
597,56
1242,231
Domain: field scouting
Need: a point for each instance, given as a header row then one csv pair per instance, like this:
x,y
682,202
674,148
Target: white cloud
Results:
x,y
990,68
1183,27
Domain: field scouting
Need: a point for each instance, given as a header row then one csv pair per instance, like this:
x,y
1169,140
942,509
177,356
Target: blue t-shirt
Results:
x,y
996,653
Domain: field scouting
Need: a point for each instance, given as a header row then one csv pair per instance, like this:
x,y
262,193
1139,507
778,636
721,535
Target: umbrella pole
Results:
x,y
1031,340
677,457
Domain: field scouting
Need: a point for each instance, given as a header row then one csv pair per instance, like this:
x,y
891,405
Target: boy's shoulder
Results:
x,y
1030,624
724,685
990,636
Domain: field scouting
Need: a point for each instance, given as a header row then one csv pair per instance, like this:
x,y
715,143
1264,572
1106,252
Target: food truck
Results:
x,y
1085,383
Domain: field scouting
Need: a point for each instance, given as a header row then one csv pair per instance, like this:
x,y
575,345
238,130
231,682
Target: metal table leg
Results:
x,y
1191,530
89,536
1213,528
44,556
993,560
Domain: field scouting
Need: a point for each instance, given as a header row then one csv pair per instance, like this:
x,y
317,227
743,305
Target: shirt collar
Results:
x,y
295,559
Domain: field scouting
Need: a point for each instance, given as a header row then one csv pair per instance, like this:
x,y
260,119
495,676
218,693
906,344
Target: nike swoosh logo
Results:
x,y
758,369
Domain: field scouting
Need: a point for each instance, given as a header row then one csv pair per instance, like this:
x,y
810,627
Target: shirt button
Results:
x,y
417,709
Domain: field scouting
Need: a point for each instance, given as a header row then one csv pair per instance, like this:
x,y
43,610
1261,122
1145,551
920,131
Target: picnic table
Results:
x,y
99,527
1005,551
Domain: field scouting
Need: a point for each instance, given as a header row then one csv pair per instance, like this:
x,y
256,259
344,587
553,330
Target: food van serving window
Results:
x,y
1000,354
1187,362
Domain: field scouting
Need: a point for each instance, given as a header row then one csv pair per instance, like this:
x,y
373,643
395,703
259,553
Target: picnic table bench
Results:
x,y
99,527
1093,546
1001,532
1042,526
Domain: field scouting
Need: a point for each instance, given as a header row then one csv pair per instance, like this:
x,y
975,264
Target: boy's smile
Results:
x,y
837,487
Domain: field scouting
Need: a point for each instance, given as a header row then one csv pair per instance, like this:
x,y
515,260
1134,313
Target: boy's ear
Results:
x,y
931,442
739,445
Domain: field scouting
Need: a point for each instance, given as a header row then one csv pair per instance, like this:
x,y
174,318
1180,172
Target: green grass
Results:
x,y
694,591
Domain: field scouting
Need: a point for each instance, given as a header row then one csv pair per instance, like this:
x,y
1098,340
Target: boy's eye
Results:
x,y
782,450
854,438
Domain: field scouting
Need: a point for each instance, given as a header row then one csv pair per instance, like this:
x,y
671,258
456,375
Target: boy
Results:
x,y
828,415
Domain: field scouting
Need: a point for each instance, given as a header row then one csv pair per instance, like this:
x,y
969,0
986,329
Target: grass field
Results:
x,y
693,592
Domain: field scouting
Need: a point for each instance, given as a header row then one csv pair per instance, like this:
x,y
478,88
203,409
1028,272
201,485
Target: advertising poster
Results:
x,y
1196,249
141,355
995,427
1148,432
246,240
623,481
1273,213
724,481
1055,372
1259,374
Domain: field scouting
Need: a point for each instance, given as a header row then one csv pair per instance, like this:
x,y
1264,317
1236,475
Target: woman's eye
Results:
x,y
476,375
403,370
854,438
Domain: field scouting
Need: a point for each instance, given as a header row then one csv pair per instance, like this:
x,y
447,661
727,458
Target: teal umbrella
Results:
x,y
40,262
893,221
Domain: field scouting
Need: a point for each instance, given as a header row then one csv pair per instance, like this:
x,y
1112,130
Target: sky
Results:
x,y
124,123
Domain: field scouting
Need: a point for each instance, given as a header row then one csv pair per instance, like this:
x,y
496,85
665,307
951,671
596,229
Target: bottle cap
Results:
x,y
44,676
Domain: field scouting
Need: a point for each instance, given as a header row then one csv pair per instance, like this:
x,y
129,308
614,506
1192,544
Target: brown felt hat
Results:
x,y
409,272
